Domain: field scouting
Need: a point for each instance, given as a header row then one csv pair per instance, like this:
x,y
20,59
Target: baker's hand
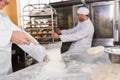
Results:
x,y
55,35
46,59
20,37
57,30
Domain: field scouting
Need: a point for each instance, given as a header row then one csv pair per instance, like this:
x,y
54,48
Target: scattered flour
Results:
x,y
54,67
55,63
106,72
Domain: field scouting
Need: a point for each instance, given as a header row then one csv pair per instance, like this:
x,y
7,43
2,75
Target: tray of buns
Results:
x,y
39,21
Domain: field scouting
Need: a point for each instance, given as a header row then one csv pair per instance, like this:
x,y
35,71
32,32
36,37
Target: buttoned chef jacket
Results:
x,y
81,35
6,29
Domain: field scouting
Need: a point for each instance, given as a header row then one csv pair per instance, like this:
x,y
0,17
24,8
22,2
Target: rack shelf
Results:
x,y
39,20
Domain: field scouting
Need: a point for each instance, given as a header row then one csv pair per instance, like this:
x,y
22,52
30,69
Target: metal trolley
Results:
x,y
39,20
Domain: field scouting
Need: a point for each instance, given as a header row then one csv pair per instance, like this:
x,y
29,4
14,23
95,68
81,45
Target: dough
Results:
x,y
106,72
55,63
95,50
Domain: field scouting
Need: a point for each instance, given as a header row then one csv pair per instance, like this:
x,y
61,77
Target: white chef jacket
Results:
x,y
81,35
6,28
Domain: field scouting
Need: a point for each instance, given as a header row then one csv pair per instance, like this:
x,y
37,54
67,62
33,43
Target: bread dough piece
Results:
x,y
95,50
55,63
106,72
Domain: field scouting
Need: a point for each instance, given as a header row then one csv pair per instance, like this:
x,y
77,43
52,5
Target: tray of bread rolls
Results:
x,y
39,21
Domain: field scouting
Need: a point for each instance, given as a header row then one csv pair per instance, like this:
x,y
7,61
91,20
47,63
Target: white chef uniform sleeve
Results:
x,y
38,52
76,36
69,31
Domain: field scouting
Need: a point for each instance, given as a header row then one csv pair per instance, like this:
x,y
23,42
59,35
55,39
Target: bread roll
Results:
x,y
28,32
41,22
34,32
37,37
29,23
44,32
36,23
44,36
50,26
39,32
49,32
49,22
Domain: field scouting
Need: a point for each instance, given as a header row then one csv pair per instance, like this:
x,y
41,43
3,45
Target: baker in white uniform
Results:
x,y
81,35
9,34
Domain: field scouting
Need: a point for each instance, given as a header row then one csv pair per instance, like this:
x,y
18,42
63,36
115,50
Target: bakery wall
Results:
x,y
11,10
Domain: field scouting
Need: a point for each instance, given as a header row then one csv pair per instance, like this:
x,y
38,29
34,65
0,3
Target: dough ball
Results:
x,y
95,50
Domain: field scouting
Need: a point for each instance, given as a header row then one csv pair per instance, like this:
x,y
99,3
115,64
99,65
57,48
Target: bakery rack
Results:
x,y
39,20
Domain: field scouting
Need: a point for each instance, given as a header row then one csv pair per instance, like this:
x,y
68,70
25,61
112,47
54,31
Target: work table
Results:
x,y
78,67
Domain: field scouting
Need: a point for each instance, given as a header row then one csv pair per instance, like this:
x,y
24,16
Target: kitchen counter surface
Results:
x,y
79,66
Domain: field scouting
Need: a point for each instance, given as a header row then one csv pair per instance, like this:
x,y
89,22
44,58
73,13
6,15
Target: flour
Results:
x,y
55,63
54,67
87,69
106,72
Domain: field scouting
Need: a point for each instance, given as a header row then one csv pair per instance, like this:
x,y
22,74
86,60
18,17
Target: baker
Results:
x,y
9,34
81,35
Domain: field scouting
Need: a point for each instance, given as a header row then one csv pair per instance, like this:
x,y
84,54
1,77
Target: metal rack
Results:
x,y
39,20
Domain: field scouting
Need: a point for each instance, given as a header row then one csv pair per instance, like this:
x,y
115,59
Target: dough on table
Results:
x,y
95,50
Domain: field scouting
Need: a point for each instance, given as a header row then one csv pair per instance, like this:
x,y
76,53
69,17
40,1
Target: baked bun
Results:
x,y
41,22
39,32
44,36
37,37
49,26
49,22
28,32
36,23
44,32
29,23
49,32
34,32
